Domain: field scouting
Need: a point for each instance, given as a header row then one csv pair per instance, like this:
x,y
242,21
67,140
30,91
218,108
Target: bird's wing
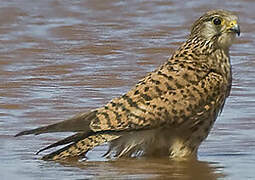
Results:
x,y
78,123
171,94
174,93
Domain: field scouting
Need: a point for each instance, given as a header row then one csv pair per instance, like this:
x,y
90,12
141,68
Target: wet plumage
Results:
x,y
170,111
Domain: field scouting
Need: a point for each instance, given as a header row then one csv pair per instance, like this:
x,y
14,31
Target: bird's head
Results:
x,y
220,26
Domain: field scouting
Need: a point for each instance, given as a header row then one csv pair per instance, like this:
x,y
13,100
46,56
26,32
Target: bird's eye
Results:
x,y
217,21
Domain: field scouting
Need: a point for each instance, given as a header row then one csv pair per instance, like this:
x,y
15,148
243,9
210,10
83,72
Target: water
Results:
x,y
58,58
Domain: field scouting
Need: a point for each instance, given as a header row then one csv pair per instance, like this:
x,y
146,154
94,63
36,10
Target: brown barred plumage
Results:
x,y
170,111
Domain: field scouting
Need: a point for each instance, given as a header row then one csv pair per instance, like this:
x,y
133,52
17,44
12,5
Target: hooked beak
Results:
x,y
234,27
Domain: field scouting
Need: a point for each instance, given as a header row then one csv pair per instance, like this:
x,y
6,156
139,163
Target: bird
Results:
x,y
170,111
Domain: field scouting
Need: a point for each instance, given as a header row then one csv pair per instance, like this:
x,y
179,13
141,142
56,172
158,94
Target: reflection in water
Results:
x,y
150,169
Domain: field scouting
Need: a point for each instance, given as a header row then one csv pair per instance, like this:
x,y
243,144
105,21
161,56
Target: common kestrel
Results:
x,y
170,111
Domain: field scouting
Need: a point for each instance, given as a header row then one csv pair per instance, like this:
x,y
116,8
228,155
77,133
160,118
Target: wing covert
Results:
x,y
170,95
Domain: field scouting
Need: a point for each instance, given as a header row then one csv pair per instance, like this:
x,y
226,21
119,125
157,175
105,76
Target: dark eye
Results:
x,y
216,21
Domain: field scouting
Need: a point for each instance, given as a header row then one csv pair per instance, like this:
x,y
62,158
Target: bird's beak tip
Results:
x,y
236,29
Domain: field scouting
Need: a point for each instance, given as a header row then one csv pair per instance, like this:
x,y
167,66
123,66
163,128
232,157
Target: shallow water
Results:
x,y
58,58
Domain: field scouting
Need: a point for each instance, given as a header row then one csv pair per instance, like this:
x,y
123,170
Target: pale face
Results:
x,y
224,26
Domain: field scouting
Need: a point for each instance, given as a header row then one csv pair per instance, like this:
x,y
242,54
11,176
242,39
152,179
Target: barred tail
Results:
x,y
81,147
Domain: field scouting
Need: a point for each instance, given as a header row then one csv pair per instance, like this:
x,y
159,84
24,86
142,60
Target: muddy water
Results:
x,y
58,58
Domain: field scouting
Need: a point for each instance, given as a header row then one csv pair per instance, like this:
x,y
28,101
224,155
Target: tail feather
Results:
x,y
74,138
78,123
80,148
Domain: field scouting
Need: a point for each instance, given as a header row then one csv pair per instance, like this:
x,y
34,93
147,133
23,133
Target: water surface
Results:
x,y
58,58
